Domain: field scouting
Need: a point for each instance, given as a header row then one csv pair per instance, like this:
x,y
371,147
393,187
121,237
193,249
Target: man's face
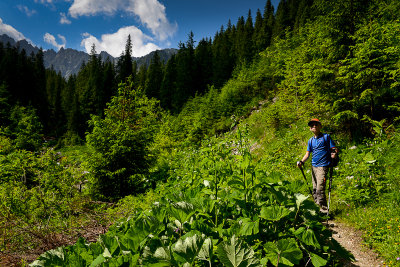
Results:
x,y
315,128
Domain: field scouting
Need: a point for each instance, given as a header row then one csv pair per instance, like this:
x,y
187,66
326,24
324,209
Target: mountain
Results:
x,y
69,61
164,55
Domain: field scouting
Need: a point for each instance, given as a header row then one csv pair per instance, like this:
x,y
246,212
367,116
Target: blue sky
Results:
x,y
152,24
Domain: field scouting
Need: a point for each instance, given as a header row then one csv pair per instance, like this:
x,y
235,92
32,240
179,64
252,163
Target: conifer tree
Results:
x,y
140,78
108,82
203,65
185,85
248,49
268,22
154,77
282,19
5,106
238,41
124,64
259,36
168,86
224,56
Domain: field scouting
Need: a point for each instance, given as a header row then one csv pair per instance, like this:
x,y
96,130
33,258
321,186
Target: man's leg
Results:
x,y
314,184
319,179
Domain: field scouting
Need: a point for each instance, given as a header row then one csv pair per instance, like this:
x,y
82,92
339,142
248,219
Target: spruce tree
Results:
x,y
203,65
154,77
268,22
124,64
168,86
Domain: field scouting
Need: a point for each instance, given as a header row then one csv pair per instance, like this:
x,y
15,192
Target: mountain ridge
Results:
x,y
68,61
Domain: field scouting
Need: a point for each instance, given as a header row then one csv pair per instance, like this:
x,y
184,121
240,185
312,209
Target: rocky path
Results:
x,y
351,239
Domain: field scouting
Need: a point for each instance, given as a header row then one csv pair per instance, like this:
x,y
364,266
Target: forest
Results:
x,y
193,162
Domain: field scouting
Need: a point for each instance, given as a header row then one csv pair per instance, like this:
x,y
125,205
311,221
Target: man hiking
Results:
x,y
323,149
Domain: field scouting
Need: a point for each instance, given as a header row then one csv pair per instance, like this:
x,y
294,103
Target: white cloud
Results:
x,y
93,7
26,10
11,32
151,13
50,39
44,1
114,43
64,19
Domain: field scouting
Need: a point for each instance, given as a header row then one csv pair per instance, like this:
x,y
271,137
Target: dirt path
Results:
x,y
351,239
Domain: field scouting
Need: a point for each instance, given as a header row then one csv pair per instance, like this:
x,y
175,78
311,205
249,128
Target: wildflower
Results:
x,y
398,258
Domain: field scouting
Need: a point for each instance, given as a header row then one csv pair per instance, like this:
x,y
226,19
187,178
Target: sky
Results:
x,y
152,24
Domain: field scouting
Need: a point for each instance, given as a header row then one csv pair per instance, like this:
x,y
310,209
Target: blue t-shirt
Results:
x,y
320,148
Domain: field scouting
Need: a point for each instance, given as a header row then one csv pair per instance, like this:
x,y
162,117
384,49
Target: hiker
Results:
x,y
323,149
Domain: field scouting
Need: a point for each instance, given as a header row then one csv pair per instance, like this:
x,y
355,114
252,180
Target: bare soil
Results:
x,y
351,239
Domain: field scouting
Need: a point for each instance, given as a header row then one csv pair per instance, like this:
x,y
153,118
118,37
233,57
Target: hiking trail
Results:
x,y
351,239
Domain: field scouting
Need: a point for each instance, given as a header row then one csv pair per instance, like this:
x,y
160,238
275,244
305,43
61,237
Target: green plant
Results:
x,y
121,144
222,212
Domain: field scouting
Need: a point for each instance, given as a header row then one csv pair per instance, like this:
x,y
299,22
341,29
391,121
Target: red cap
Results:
x,y
313,121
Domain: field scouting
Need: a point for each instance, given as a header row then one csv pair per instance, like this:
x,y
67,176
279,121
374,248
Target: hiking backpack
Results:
x,y
335,160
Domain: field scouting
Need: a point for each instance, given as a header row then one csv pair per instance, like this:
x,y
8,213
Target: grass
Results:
x,y
365,195
380,224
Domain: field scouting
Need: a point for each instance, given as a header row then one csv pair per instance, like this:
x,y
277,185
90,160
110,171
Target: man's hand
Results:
x,y
300,164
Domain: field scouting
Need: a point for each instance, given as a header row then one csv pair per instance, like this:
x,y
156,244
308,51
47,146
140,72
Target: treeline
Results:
x,y
65,106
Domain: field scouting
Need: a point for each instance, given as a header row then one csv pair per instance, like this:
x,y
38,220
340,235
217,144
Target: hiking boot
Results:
x,y
323,209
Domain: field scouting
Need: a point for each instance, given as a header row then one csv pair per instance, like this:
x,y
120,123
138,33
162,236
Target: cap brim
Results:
x,y
312,122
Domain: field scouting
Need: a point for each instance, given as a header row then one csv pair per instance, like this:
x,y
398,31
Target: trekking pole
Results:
x,y
329,189
301,168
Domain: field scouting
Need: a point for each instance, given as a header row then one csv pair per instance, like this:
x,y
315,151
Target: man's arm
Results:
x,y
306,156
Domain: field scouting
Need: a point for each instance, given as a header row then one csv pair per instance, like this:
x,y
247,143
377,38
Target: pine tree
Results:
x,y
124,64
154,77
259,36
282,19
140,78
268,22
168,86
185,83
203,65
224,55
238,41
5,106
248,48
109,83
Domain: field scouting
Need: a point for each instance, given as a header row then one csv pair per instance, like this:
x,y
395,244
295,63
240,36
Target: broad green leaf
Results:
x,y
99,260
274,213
147,224
206,251
284,250
111,244
189,247
182,211
300,198
234,253
249,227
54,257
106,253
162,254
236,183
246,160
307,236
318,261
132,239
369,158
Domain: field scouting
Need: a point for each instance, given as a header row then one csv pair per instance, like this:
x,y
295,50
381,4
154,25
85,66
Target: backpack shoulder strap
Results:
x,y
326,136
309,142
